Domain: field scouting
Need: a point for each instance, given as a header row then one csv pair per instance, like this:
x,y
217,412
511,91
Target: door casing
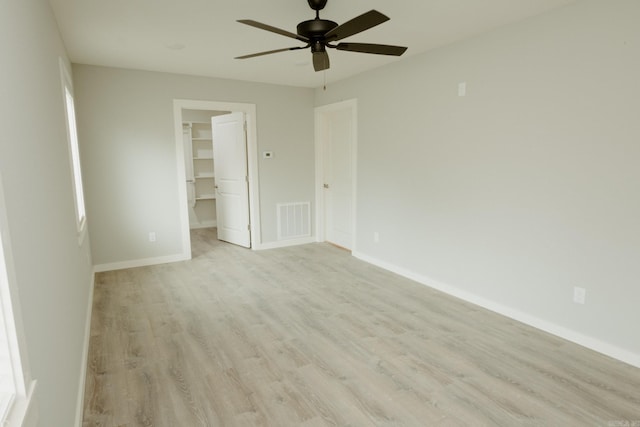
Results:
x,y
252,164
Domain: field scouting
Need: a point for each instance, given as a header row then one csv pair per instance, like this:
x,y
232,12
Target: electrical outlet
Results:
x,y
152,236
579,295
376,236
462,89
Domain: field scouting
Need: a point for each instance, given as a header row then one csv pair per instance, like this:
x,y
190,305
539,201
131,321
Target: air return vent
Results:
x,y
294,220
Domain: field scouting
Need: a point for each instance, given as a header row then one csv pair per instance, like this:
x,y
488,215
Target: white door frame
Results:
x,y
252,164
320,114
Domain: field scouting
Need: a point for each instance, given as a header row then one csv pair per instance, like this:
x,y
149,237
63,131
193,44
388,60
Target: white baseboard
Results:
x,y
285,243
85,354
544,325
98,268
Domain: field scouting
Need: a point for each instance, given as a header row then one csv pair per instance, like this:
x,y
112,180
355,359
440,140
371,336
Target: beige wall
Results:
x,y
126,128
526,187
52,273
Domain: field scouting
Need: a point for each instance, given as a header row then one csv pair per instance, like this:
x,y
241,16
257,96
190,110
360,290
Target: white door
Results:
x,y
232,186
337,155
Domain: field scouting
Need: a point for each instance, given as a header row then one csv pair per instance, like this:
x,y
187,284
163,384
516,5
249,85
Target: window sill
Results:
x,y
6,399
20,411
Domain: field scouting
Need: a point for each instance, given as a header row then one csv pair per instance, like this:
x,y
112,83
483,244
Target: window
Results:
x,y
74,152
7,383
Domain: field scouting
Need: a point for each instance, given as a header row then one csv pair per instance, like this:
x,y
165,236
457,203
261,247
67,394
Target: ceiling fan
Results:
x,y
319,34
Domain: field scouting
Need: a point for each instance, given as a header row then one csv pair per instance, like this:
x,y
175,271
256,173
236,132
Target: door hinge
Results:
x,y
249,227
245,126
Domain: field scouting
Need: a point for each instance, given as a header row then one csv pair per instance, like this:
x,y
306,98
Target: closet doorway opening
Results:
x,y
216,150
199,167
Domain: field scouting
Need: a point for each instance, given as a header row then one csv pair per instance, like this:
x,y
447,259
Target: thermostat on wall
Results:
x,y
267,154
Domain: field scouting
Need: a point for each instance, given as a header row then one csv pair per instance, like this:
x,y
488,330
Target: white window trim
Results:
x,y
74,152
18,409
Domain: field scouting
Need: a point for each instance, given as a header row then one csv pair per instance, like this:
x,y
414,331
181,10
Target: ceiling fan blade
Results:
x,y
253,55
320,61
377,49
266,27
356,25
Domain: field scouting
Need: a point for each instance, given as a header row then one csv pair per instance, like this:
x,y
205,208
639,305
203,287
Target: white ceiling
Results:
x,y
201,37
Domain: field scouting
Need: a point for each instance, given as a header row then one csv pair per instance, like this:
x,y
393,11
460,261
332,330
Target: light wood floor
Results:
x,y
310,336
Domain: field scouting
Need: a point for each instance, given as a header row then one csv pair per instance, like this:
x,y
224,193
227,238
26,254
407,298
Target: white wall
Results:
x,y
126,130
526,187
200,115
53,273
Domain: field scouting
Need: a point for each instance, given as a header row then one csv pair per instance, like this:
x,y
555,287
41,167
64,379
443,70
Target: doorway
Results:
x,y
336,161
249,112
199,167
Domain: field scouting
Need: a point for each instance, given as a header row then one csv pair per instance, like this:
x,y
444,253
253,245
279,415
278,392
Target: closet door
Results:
x,y
232,186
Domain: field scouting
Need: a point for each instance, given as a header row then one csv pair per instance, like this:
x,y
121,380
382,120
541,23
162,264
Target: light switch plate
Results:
x,y
579,295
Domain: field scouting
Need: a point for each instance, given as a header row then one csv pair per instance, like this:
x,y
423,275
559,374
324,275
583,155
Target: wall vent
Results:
x,y
294,220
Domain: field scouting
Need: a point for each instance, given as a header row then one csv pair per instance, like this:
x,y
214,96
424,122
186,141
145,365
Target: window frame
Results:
x,y
74,152
15,410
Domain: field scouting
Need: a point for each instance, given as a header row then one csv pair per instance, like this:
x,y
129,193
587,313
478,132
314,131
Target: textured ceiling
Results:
x,y
201,37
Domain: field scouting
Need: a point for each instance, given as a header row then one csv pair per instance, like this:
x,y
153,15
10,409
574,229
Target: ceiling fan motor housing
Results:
x,y
315,29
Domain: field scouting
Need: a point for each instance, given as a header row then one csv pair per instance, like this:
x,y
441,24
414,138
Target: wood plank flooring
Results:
x,y
310,336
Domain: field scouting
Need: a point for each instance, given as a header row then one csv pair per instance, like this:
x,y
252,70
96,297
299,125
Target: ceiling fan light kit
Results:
x,y
320,34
